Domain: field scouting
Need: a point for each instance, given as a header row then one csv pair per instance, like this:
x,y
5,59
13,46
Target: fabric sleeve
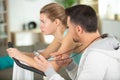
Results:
x,y
51,74
94,67
71,69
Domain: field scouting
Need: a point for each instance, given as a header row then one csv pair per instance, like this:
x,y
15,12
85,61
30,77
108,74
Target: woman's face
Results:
x,y
47,26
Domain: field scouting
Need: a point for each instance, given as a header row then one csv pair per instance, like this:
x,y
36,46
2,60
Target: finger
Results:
x,y
55,54
38,61
9,49
35,58
58,58
42,58
65,56
42,62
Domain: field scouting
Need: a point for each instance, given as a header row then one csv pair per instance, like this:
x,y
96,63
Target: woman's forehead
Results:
x,y
43,15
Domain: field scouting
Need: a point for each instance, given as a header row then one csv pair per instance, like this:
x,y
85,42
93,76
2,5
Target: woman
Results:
x,y
52,22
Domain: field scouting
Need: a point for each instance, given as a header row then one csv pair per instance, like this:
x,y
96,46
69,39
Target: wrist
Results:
x,y
71,66
50,72
56,66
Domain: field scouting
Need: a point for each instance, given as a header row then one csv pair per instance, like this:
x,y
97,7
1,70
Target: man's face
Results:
x,y
72,30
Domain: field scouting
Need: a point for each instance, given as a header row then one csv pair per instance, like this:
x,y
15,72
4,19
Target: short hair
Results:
x,y
83,15
55,11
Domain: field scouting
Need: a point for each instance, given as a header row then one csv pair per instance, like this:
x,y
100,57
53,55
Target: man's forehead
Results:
x,y
68,18
69,21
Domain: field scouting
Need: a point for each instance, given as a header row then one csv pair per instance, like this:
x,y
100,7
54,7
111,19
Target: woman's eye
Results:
x,y
42,21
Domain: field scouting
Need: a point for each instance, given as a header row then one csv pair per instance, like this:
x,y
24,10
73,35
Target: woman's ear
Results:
x,y
57,21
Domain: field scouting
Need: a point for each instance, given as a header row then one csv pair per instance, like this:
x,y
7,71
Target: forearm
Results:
x,y
29,60
30,54
53,47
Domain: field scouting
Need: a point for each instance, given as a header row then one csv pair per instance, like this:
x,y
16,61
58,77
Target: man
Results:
x,y
101,56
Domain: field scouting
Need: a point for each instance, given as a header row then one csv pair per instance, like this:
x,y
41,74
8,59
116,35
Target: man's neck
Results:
x,y
88,39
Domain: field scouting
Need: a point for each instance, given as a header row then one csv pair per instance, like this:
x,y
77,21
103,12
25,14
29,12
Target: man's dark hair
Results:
x,y
83,15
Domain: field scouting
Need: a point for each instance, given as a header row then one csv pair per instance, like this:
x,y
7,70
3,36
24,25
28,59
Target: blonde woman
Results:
x,y
52,22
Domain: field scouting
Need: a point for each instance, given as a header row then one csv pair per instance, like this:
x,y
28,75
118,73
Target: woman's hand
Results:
x,y
13,52
43,64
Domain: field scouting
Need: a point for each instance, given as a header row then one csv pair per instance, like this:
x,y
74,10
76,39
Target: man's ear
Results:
x,y
79,30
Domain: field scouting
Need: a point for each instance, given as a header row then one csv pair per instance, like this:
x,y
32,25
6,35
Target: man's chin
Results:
x,y
76,41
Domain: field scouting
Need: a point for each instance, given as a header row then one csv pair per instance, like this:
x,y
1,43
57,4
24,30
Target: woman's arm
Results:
x,y
15,53
47,51
67,44
28,57
53,47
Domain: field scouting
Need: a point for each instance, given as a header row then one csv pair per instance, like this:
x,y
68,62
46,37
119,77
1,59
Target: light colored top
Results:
x,y
100,61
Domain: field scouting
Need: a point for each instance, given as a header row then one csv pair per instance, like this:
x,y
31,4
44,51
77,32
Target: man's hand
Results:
x,y
43,64
61,59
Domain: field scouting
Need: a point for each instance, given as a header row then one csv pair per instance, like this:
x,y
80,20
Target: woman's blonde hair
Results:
x,y
55,11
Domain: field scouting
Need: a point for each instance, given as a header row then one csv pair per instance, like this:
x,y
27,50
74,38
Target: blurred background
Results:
x,y
20,23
